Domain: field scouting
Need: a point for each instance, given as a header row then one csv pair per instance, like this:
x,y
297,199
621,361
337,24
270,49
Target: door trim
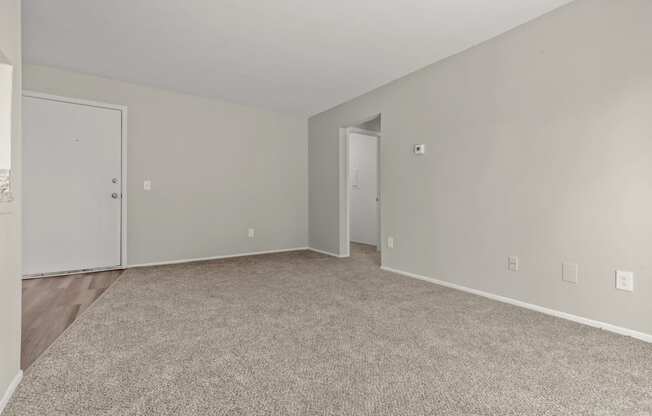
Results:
x,y
123,168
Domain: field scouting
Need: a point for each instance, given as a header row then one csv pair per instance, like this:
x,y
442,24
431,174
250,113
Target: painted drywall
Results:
x,y
10,289
6,103
363,166
371,125
539,145
217,169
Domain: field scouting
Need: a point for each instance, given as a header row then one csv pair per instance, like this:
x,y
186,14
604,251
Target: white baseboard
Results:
x,y
71,273
10,391
228,256
328,253
590,322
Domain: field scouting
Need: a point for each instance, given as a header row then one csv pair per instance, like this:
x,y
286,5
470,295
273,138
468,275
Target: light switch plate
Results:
x,y
390,242
251,233
147,185
570,272
512,263
625,281
419,149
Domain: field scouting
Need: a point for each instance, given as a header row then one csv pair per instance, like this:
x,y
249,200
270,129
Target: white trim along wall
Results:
x,y
11,389
552,312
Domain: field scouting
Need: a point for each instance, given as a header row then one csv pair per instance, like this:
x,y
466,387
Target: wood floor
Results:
x,y
51,304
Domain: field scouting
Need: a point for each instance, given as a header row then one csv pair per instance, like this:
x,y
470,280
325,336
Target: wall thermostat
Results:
x,y
419,149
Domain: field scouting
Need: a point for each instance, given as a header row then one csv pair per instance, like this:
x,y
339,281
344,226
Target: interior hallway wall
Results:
x,y
539,145
217,169
10,233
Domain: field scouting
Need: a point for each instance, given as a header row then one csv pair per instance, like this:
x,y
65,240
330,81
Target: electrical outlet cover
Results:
x,y
625,281
570,272
512,263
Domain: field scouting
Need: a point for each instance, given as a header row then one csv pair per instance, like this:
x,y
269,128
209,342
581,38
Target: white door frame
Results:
x,y
345,189
123,179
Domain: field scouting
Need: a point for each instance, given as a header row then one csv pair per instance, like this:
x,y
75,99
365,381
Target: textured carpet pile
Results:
x,y
305,334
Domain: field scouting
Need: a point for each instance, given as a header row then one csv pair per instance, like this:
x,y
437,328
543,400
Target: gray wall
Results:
x,y
539,145
371,125
216,168
10,289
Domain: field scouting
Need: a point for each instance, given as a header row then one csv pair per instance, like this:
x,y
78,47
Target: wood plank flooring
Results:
x,y
51,304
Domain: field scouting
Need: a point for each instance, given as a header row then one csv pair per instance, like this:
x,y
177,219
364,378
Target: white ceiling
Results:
x,y
296,56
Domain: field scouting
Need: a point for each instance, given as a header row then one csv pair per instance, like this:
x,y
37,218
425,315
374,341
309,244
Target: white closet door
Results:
x,y
71,186
363,162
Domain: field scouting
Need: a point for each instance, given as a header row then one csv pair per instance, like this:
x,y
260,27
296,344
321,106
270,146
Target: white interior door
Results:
x,y
363,164
71,190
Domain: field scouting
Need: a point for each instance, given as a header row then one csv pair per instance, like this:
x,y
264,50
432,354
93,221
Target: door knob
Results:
x,y
114,180
114,195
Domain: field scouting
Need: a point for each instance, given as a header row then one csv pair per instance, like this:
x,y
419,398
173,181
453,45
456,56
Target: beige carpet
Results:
x,y
305,334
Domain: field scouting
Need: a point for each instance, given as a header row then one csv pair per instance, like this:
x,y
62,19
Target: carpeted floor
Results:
x,y
305,334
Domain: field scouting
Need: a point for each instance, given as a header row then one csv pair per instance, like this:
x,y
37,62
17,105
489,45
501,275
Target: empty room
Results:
x,y
426,207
